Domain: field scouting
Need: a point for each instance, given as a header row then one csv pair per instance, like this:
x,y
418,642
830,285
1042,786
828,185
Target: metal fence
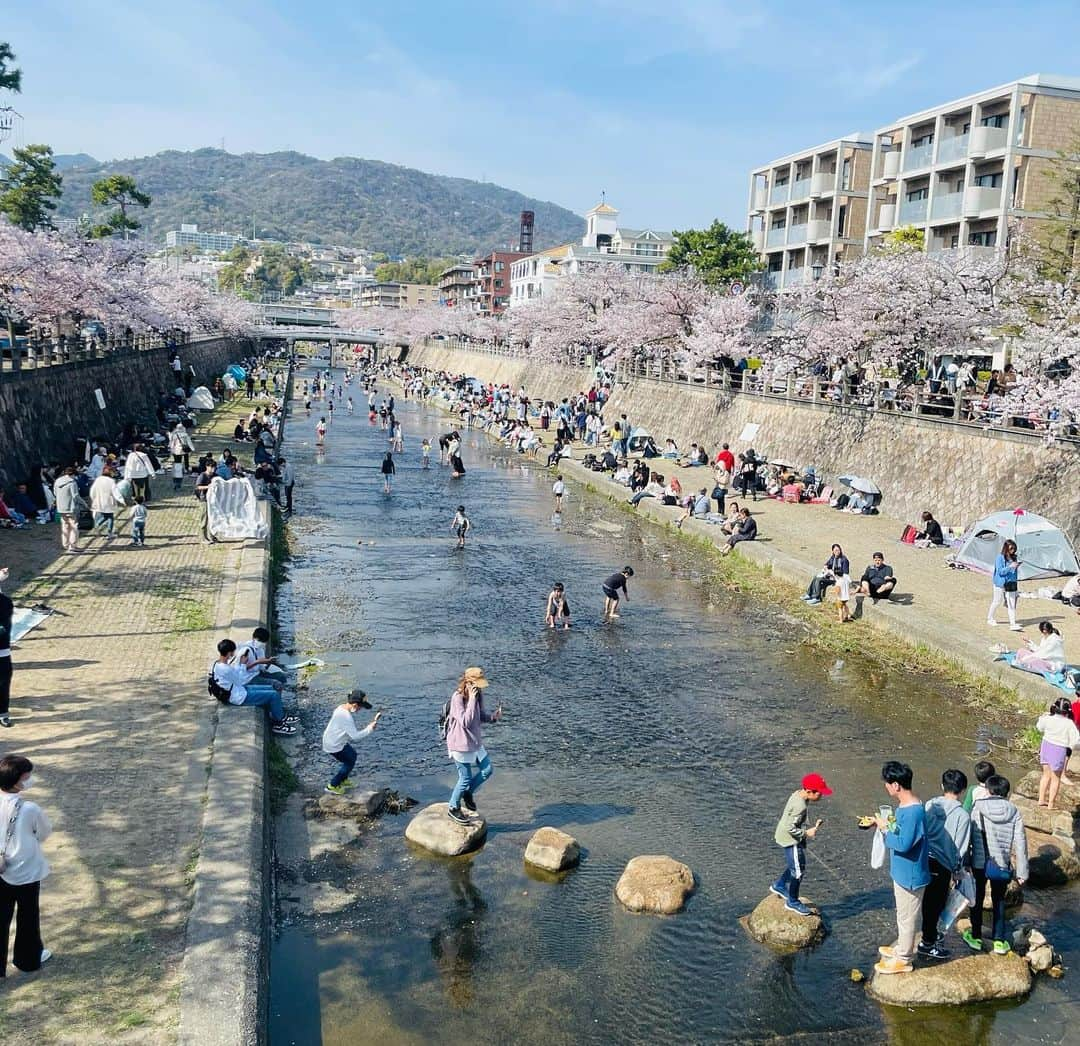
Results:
x,y
31,353
966,409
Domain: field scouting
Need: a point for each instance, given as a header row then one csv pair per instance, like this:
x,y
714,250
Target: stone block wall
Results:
x,y
957,473
44,411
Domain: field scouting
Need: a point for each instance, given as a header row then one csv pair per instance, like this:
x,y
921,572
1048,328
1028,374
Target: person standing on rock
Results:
x,y
997,837
904,834
948,833
339,732
792,833
612,586
464,742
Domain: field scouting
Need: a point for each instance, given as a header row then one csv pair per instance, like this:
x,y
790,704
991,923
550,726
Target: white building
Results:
x,y
189,236
604,243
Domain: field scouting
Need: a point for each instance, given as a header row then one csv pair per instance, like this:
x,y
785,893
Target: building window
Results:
x,y
498,266
917,194
925,139
989,181
498,283
954,240
983,239
845,174
841,219
1000,120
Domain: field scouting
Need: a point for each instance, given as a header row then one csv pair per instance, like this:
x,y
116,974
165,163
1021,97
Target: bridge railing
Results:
x,y
33,353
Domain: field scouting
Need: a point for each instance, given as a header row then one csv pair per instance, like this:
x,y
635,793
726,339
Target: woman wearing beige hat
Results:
x,y
464,743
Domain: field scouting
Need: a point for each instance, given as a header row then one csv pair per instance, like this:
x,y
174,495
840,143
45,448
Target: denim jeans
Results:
x,y
470,777
347,758
101,518
794,868
997,900
138,533
270,697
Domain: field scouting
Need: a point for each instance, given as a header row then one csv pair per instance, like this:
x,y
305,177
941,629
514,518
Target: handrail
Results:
x,y
972,412
32,354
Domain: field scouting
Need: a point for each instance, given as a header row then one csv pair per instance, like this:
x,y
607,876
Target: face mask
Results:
x,y
26,783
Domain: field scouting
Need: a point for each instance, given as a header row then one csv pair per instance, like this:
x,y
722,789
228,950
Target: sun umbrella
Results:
x,y
780,463
861,484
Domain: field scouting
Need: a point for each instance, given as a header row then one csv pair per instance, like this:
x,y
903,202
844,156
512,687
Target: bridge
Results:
x,y
276,313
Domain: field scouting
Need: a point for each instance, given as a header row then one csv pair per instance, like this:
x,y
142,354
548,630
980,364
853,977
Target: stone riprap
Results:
x,y
433,830
656,884
552,850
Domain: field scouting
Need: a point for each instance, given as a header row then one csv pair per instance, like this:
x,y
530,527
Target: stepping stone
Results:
x,y
552,850
433,830
770,923
1050,861
352,802
976,978
655,884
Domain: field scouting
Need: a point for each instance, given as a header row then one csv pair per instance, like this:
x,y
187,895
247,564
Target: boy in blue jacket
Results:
x,y
909,865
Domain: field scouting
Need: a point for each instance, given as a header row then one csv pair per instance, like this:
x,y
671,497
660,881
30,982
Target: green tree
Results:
x,y
30,187
904,238
1059,235
272,270
413,270
119,190
717,254
10,79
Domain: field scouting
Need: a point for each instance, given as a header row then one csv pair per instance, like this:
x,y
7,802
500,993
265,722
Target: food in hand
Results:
x,y
866,822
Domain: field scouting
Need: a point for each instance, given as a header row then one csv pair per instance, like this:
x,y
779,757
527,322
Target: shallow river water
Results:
x,y
680,729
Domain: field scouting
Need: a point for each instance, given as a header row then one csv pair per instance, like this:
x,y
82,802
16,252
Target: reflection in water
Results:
x,y
456,945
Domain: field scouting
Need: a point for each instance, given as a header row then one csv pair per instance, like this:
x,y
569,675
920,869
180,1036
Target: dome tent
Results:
x,y
1043,548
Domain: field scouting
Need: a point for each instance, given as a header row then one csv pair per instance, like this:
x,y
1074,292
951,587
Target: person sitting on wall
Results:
x,y
877,580
745,531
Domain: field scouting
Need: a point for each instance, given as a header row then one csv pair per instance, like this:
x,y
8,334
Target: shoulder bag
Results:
x,y
9,832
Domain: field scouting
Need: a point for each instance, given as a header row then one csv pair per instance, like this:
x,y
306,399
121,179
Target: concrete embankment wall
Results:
x,y
957,473
43,410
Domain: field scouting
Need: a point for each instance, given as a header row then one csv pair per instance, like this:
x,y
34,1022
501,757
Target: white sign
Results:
x,y
100,397
749,433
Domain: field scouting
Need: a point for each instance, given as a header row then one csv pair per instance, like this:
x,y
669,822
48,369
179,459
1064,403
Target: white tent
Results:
x,y
1042,547
233,510
201,399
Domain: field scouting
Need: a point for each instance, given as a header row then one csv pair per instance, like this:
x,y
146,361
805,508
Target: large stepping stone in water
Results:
x,y
1068,797
1053,822
352,802
655,884
976,978
433,830
552,850
1050,862
770,923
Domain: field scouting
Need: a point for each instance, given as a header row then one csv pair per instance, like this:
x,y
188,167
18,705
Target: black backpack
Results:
x,y
216,689
444,716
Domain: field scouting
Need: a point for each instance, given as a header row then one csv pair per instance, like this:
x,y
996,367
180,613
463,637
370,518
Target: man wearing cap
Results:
x,y
791,834
464,743
339,732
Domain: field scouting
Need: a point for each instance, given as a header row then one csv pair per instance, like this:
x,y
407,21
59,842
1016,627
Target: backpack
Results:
x,y
216,689
444,721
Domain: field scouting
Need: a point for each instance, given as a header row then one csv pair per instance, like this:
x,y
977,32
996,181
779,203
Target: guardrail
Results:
x,y
35,353
971,411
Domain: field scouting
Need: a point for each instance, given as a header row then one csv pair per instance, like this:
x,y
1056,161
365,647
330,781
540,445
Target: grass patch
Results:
x,y
1027,741
132,1019
191,866
283,779
191,615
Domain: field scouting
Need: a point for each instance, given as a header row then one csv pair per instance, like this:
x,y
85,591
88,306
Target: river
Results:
x,y
680,729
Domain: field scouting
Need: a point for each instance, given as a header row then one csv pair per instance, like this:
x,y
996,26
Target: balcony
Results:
x,y
891,165
795,277
771,279
947,205
822,183
913,212
953,149
819,229
779,193
980,198
761,197
776,237
797,233
800,188
759,238
887,216
987,140
918,156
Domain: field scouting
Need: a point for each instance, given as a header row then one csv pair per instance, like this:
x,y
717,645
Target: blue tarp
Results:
x,y
1057,679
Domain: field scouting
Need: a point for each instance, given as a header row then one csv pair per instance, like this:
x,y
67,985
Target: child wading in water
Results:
x,y
320,432
425,451
388,470
557,607
1060,737
791,834
460,525
339,732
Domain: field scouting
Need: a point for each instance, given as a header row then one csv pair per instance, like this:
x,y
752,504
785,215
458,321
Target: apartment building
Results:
x,y
969,171
189,236
807,211
457,286
395,295
493,281
966,173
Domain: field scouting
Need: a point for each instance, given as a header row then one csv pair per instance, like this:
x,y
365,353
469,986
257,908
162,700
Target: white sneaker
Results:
x,y
1016,628
991,624
46,955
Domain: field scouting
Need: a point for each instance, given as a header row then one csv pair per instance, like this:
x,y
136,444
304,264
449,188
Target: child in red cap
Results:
x,y
791,834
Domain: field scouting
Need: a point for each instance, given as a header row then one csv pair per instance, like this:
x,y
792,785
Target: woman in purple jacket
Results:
x,y
464,743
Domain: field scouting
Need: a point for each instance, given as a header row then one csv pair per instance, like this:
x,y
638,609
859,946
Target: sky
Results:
x,y
664,106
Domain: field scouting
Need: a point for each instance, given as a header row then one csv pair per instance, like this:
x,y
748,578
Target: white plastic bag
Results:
x,y
844,585
877,851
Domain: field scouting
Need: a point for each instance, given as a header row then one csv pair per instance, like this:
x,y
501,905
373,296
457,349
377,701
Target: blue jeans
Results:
x,y
794,868
347,758
138,533
101,518
270,697
470,777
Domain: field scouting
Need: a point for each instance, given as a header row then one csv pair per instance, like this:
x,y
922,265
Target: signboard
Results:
x,y
100,397
749,432
736,288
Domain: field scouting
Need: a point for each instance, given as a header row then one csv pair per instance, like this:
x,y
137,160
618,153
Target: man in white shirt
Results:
x,y
339,732
230,682
558,489
104,501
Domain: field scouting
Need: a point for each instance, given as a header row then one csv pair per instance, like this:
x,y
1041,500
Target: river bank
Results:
x,y
936,611
677,729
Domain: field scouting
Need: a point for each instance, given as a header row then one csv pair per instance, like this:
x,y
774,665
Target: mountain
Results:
x,y
66,161
290,196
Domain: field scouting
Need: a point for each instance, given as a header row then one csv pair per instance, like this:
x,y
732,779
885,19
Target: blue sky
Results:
x,y
665,105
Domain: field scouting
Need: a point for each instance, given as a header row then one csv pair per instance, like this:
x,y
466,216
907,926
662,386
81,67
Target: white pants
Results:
x,y
69,530
1008,598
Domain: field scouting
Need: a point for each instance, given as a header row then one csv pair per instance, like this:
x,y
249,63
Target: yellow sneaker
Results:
x,y
885,966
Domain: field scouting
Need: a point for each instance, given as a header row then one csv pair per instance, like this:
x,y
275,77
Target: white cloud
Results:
x,y
878,77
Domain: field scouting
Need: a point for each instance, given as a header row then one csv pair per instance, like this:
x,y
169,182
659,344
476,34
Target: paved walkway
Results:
x,y
108,700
